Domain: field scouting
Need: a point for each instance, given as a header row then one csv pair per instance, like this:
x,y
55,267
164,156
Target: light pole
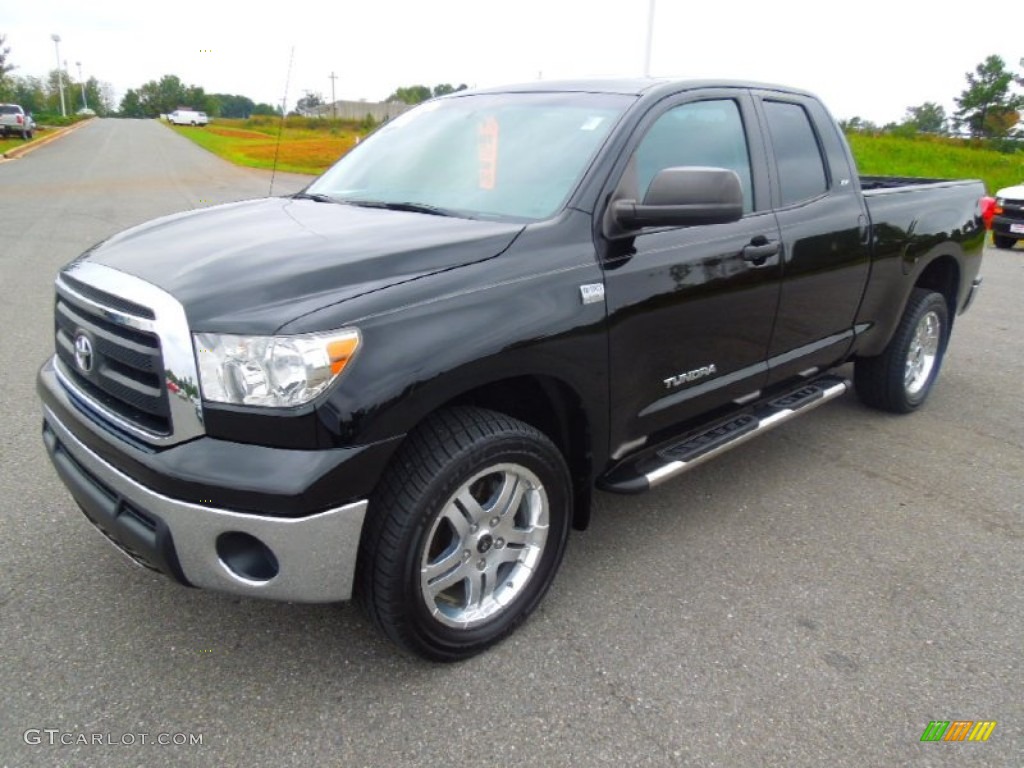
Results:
x,y
85,103
650,39
60,78
334,102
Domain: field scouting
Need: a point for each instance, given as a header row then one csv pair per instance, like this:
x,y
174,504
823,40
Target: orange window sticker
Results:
x,y
487,152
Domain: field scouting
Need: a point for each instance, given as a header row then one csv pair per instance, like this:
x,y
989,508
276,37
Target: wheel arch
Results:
x,y
550,405
942,275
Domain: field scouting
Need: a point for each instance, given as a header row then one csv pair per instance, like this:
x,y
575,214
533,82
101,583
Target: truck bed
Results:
x,y
880,183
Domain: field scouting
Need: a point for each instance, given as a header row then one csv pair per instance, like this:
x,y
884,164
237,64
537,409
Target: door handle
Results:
x,y
759,250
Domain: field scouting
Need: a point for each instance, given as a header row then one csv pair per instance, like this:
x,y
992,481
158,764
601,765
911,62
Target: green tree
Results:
x,y
5,66
309,102
413,94
265,109
28,92
926,118
444,89
986,107
858,125
131,104
230,105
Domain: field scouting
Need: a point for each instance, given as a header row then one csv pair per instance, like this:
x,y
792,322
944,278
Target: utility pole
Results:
x,y
650,39
85,103
334,101
60,77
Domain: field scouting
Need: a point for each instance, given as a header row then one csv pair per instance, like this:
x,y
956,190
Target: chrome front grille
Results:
x,y
127,361
124,368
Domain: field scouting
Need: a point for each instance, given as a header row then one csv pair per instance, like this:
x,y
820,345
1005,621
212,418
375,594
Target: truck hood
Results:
x,y
1014,193
251,267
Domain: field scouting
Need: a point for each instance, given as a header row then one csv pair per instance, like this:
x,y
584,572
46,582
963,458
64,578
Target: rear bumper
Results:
x,y
311,559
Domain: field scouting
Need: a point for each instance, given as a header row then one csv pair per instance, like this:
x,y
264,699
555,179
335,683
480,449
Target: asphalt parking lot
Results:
x,y
813,598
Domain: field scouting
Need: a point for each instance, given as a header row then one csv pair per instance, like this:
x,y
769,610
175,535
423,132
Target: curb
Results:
x,y
24,149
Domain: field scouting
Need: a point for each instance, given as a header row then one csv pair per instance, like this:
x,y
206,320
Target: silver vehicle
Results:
x,y
14,119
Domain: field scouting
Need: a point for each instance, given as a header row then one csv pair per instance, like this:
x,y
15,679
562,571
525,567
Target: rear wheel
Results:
x,y
465,533
900,378
1001,241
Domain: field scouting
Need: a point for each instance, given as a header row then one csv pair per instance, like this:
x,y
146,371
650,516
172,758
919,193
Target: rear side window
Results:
x,y
801,167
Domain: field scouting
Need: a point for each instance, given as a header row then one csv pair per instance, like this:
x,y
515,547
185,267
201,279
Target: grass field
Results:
x,y
311,146
11,142
936,158
305,146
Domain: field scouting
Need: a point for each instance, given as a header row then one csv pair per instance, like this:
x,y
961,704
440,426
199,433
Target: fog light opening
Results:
x,y
246,556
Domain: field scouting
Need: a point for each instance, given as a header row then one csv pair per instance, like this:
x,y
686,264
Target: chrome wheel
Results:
x,y
483,548
922,354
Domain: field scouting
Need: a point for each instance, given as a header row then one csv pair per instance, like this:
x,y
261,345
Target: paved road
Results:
x,y
813,598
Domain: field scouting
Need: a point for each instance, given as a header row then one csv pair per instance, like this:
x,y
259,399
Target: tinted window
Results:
x,y
704,133
516,155
801,168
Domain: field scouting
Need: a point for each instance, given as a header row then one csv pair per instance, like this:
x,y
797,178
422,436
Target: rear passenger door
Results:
x,y
824,228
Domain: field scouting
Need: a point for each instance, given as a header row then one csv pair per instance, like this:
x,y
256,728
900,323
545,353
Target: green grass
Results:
x,y
306,146
16,141
935,157
311,145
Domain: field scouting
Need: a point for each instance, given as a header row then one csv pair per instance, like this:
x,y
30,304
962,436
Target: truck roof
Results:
x,y
630,86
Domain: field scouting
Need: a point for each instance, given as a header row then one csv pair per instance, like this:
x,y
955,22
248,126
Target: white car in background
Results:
x,y
14,119
1008,223
188,117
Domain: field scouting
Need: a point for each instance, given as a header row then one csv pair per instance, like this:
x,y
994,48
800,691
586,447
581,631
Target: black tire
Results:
x,y
413,526
899,379
1003,242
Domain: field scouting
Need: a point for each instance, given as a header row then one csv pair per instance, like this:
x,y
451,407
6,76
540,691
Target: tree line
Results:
x,y
163,96
989,107
41,95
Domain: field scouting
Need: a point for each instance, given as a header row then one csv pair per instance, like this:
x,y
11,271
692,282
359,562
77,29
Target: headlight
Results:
x,y
273,371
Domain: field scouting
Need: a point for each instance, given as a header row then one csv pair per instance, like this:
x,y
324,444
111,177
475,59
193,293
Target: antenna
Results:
x,y
280,127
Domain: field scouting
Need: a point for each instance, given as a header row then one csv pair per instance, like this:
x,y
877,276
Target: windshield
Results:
x,y
510,155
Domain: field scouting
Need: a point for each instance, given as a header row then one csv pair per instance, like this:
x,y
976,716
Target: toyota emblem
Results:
x,y
83,353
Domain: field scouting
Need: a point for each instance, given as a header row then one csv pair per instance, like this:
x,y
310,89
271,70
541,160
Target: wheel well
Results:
x,y
943,276
555,409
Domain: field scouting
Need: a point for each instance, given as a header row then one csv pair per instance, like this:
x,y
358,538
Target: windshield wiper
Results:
x,y
405,206
315,196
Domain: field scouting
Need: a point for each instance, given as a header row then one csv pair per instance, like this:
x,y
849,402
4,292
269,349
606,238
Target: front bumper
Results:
x,y
166,508
1001,226
312,559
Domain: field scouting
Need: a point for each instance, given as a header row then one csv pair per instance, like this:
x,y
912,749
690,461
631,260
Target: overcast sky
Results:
x,y
869,58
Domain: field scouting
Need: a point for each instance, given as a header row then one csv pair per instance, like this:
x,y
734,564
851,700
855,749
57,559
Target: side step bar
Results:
x,y
674,459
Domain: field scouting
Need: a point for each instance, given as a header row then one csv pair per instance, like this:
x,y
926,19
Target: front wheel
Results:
x,y
465,533
900,378
1001,241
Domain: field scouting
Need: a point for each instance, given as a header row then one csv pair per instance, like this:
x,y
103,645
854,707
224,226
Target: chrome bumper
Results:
x,y
313,557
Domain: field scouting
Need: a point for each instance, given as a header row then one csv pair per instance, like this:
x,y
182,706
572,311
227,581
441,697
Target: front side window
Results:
x,y
511,155
702,133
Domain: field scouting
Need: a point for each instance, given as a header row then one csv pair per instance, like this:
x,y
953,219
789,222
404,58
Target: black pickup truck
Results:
x,y
403,383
